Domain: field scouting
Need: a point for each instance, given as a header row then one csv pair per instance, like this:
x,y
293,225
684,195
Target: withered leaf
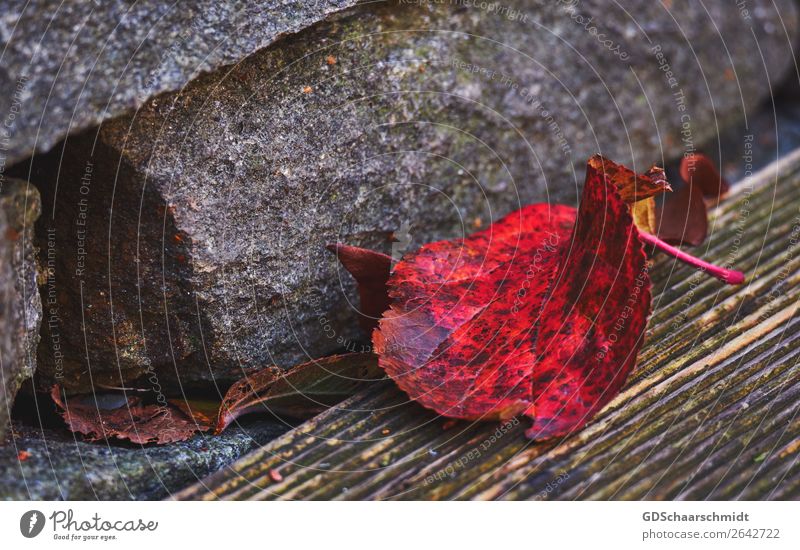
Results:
x,y
301,392
116,416
630,186
203,411
699,171
371,271
683,218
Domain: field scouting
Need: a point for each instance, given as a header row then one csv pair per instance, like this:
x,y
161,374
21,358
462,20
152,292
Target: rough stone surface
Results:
x,y
20,303
206,213
56,466
68,65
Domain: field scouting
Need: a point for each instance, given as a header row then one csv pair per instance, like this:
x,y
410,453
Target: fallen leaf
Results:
x,y
302,391
699,171
593,323
513,319
541,314
683,218
371,272
107,416
203,411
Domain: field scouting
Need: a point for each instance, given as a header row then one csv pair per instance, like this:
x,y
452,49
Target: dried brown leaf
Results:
x,y
302,391
116,416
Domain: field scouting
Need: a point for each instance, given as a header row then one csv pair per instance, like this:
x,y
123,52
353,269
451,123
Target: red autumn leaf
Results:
x,y
541,314
520,318
302,391
107,416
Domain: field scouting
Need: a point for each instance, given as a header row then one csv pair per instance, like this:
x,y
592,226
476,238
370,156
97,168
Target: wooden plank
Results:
x,y
710,412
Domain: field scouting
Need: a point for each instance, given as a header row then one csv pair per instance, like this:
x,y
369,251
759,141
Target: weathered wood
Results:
x,y
710,412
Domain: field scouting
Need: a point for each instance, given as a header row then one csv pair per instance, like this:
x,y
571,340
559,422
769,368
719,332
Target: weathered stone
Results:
x,y
67,66
20,304
50,464
206,213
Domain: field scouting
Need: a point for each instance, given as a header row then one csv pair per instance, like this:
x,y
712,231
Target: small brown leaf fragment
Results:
x,y
102,416
302,391
699,171
683,218
371,271
330,60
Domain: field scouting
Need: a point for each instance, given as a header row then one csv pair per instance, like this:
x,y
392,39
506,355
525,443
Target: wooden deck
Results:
x,y
711,411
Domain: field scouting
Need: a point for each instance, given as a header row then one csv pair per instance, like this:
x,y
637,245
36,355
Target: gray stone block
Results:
x,y
207,211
